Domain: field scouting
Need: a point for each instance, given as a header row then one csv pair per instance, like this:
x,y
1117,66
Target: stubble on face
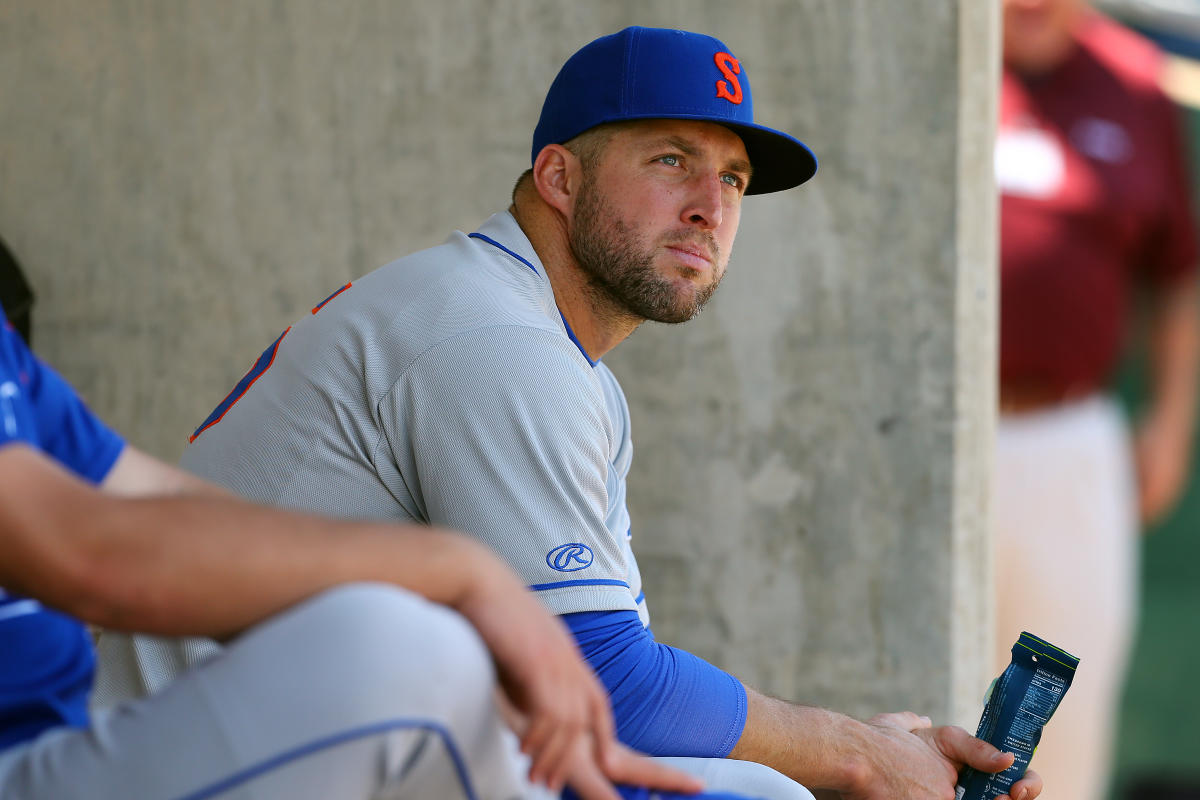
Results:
x,y
620,267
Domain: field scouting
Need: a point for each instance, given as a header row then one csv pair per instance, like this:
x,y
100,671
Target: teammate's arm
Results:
x,y
212,566
137,474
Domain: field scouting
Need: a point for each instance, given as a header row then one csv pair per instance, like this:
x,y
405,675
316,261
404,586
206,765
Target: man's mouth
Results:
x,y
695,255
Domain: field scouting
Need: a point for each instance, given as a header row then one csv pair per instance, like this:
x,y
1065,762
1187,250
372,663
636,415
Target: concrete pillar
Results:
x,y
184,179
812,453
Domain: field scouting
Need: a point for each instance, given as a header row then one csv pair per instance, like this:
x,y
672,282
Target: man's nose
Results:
x,y
705,206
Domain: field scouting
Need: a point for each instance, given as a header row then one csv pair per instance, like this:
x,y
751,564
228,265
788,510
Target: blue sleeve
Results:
x,y
41,409
666,702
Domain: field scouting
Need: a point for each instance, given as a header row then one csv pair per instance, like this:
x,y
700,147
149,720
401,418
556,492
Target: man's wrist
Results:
x,y
854,768
815,746
845,763
479,575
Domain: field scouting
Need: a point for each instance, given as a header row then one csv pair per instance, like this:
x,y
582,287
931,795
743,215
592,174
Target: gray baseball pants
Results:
x,y
365,691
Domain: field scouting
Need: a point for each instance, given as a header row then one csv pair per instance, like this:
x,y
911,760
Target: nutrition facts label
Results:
x,y
1041,698
1018,705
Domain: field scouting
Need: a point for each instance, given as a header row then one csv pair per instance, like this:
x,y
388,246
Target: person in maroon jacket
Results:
x,y
1091,167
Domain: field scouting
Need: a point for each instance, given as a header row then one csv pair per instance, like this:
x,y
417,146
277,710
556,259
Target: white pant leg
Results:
x,y
1066,570
745,778
362,692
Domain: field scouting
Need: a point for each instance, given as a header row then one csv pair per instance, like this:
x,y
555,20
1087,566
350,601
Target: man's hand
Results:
x,y
592,779
562,717
594,769
913,759
1163,451
889,757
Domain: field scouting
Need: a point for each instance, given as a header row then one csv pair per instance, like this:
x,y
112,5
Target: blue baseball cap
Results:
x,y
658,73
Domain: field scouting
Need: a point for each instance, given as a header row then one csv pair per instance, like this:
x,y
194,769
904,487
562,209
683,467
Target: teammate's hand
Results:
x,y
566,722
910,758
592,778
594,769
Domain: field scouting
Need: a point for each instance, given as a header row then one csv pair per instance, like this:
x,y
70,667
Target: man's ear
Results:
x,y
557,175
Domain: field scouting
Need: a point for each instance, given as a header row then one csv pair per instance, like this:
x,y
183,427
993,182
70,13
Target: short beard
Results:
x,y
621,275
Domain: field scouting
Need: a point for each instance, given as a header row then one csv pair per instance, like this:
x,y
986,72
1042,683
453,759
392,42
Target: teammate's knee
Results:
x,y
383,635
747,778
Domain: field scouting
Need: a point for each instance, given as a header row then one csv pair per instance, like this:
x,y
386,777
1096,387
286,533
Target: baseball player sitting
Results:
x,y
337,682
462,386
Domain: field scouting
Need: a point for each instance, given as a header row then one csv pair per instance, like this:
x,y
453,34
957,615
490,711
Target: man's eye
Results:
x,y
670,161
732,180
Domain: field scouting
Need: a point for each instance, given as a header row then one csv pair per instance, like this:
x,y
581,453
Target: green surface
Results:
x,y
1158,733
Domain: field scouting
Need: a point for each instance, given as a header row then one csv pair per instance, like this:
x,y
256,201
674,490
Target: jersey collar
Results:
x,y
502,232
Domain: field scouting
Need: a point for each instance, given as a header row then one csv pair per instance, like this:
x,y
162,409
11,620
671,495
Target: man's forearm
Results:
x,y
814,746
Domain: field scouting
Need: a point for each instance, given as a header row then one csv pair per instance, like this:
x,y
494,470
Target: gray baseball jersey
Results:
x,y
445,388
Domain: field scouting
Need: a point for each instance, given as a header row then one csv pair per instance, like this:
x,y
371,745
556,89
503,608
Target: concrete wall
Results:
x,y
183,179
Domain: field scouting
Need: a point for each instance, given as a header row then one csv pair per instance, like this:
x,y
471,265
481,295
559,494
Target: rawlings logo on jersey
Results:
x,y
570,557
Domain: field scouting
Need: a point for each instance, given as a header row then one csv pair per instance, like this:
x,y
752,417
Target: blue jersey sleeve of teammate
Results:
x,y
659,693
39,408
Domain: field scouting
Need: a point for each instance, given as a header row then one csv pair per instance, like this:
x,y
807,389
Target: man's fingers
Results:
x,y
589,784
533,743
603,728
537,731
552,761
1028,787
513,718
904,720
622,765
961,748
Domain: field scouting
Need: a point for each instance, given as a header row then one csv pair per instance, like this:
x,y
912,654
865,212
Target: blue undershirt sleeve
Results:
x,y
666,702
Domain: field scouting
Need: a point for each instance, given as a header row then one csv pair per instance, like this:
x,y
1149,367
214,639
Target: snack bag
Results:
x,y
1019,703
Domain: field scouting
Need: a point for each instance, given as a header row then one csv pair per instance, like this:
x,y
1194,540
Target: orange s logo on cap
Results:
x,y
730,68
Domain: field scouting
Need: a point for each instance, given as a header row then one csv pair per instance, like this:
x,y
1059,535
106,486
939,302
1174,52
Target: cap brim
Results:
x,y
779,161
